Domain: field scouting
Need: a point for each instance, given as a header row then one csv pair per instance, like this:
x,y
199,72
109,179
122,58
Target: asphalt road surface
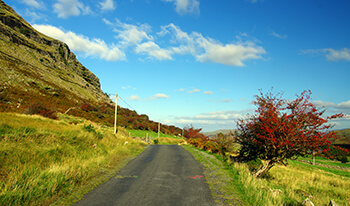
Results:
x,y
161,175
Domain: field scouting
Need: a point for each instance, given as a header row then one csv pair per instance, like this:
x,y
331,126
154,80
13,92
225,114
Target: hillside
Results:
x,y
35,64
216,132
343,137
38,70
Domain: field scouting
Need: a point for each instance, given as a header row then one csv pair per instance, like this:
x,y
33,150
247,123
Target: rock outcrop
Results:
x,y
32,61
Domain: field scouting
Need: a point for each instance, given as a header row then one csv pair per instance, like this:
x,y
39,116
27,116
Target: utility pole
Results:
x,y
158,128
116,112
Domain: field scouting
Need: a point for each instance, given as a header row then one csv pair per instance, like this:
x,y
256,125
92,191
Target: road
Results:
x,y
161,175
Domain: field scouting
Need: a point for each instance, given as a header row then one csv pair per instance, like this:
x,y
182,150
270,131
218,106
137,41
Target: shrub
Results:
x,y
86,107
38,108
90,128
343,159
156,141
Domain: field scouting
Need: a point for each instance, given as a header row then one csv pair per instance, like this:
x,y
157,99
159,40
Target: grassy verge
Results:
x,y
44,161
324,161
310,168
289,185
218,177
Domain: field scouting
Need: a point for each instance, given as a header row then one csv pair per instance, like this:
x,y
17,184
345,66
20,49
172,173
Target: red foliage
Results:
x,y
40,109
197,139
283,129
86,107
191,132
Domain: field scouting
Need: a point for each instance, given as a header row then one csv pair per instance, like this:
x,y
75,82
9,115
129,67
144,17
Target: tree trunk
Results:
x,y
268,164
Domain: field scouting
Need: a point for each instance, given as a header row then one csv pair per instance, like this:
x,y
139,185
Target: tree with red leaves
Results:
x,y
191,133
283,129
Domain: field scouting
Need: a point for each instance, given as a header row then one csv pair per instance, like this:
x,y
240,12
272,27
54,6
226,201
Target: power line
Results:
x,y
119,97
126,103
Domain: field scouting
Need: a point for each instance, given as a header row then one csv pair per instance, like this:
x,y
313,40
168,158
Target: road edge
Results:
x,y
217,176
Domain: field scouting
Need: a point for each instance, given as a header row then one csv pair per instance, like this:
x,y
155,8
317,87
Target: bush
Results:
x,y
156,141
38,108
86,107
343,159
90,128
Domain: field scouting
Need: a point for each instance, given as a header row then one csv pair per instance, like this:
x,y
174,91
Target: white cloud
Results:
x,y
129,34
343,105
79,43
207,49
221,119
203,49
193,91
330,54
107,5
152,98
160,96
34,3
33,15
337,55
67,8
319,103
208,92
226,100
332,108
153,50
180,90
134,98
280,36
229,54
128,87
186,6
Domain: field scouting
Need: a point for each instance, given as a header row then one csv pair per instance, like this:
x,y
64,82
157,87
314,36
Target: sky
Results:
x,y
201,62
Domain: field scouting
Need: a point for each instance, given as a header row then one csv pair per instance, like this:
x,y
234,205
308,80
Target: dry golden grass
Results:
x,y
44,160
291,185
169,140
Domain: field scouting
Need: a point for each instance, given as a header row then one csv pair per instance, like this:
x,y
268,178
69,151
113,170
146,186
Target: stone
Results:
x,y
276,192
332,203
307,202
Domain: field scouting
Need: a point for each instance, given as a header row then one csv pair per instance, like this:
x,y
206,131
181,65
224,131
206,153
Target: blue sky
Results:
x,y
201,62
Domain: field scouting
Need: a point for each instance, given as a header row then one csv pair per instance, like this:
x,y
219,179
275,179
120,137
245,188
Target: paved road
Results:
x,y
161,175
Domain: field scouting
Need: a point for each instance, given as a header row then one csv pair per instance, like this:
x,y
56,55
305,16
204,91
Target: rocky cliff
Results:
x,y
35,65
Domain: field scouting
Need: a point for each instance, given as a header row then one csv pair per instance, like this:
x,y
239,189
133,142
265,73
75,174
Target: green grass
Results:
x,y
151,134
44,161
310,168
296,182
324,161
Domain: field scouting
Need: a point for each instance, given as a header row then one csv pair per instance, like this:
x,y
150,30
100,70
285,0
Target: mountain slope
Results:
x,y
343,137
35,64
38,70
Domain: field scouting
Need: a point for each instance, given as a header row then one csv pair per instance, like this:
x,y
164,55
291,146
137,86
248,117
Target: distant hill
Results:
x,y
216,132
343,137
35,68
